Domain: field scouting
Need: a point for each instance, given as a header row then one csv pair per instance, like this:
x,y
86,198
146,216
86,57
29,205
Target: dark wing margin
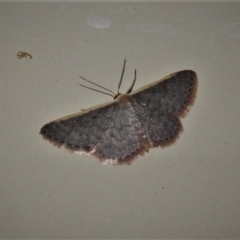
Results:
x,y
173,94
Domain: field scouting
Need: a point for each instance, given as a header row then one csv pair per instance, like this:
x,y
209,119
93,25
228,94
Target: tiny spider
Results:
x,y
24,55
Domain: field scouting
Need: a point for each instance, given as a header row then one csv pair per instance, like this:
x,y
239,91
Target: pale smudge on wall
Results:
x,y
97,21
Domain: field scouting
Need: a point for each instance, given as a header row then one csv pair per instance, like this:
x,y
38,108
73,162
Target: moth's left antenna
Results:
x,y
112,95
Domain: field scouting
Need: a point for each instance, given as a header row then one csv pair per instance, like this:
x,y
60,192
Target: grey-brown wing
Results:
x,y
81,132
161,128
105,132
121,143
173,94
160,104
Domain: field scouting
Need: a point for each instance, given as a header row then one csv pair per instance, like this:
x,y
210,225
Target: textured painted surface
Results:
x,y
187,190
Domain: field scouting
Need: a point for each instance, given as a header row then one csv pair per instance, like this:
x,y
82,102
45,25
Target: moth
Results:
x,y
118,131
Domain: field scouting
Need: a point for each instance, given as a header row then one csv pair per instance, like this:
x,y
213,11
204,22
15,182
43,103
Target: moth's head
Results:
x,y
117,95
123,98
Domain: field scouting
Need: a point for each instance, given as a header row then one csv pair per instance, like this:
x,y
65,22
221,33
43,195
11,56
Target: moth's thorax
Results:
x,y
125,101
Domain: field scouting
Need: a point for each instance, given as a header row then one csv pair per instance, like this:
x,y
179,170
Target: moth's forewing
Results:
x,y
173,94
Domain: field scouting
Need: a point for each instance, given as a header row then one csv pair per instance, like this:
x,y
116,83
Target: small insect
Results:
x,y
118,131
24,55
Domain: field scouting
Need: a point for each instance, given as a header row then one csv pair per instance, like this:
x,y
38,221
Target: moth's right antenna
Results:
x,y
134,80
123,70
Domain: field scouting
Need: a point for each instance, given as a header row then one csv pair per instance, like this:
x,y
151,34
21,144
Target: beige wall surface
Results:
x,y
188,190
